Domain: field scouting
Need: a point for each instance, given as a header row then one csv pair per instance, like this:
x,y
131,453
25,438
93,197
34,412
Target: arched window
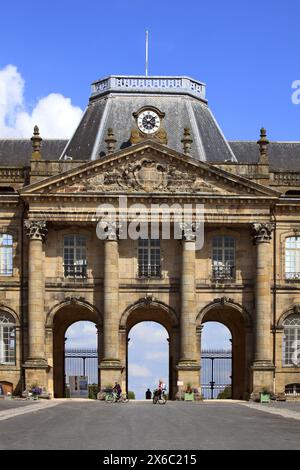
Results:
x,y
291,340
75,262
223,257
149,262
7,339
6,255
292,258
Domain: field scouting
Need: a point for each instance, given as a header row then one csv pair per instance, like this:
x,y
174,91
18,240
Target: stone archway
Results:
x,y
59,319
150,309
238,321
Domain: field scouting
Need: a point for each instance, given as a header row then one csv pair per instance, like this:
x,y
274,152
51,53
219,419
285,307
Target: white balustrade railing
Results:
x,y
139,84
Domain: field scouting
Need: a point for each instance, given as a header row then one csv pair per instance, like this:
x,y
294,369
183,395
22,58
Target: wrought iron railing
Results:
x,y
75,271
292,276
223,272
149,271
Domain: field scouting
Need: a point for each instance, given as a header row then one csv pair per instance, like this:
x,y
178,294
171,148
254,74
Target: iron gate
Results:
x,y
216,367
82,362
216,372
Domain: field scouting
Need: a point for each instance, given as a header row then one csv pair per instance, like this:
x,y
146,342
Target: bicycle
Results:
x,y
159,398
112,397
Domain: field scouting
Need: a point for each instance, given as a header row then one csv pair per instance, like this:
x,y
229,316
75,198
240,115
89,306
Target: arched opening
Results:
x,y
148,357
70,326
216,361
164,322
236,320
81,353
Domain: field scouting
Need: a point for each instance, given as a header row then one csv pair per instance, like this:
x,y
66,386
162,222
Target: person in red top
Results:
x,y
161,387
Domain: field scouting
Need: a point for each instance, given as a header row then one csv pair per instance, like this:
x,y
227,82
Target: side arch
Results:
x,y
77,302
222,303
149,306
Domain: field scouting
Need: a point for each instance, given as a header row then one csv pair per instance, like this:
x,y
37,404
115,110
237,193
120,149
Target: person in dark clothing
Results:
x,y
117,389
148,394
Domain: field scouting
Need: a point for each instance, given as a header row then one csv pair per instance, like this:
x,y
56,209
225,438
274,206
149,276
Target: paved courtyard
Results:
x,y
62,424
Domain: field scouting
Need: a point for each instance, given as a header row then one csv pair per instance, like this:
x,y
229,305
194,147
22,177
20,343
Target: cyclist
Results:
x,y
161,388
117,389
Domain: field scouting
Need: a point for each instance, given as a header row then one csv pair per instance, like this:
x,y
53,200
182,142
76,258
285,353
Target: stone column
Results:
x,y
199,329
111,365
262,366
188,366
36,363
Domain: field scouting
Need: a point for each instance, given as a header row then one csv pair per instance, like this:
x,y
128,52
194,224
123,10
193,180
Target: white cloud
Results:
x,y
54,114
157,356
149,332
81,335
135,370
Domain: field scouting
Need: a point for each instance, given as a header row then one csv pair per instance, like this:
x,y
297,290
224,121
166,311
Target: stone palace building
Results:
x,y
155,141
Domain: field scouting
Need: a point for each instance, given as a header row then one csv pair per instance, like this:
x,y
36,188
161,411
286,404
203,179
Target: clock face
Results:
x,y
148,122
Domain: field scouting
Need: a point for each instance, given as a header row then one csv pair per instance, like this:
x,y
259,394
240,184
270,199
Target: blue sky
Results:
x,y
246,52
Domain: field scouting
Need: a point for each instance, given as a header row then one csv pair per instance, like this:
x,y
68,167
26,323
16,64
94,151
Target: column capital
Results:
x,y
188,231
262,232
112,230
36,229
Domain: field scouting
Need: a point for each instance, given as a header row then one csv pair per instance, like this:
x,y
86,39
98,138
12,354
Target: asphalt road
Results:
x,y
132,426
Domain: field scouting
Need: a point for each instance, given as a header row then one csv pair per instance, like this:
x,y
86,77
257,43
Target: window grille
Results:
x,y
291,340
6,255
7,339
292,258
149,258
75,262
223,258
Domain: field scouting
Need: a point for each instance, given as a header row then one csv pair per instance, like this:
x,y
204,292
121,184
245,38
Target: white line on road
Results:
x,y
274,411
12,412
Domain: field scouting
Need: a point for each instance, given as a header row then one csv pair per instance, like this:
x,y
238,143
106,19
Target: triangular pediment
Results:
x,y
148,168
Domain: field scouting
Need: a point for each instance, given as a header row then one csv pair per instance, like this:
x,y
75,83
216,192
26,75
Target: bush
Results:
x,y
225,394
131,395
93,390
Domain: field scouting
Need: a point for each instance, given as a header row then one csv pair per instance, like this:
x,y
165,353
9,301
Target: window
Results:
x,y
149,258
7,339
292,258
6,255
223,258
292,389
75,264
291,340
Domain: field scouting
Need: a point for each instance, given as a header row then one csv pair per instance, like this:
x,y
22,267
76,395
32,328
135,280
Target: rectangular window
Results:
x,y
292,258
223,258
6,255
75,262
149,260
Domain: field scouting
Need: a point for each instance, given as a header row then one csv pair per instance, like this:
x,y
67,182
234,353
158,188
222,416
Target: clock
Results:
x,y
148,121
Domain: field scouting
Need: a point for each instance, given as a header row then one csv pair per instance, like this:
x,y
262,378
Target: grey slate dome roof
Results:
x,y
115,99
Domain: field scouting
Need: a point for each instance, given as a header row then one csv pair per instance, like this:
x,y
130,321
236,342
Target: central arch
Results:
x,y
149,309
59,319
238,322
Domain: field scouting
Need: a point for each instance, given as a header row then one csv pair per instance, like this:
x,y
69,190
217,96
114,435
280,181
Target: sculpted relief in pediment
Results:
x,y
148,174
